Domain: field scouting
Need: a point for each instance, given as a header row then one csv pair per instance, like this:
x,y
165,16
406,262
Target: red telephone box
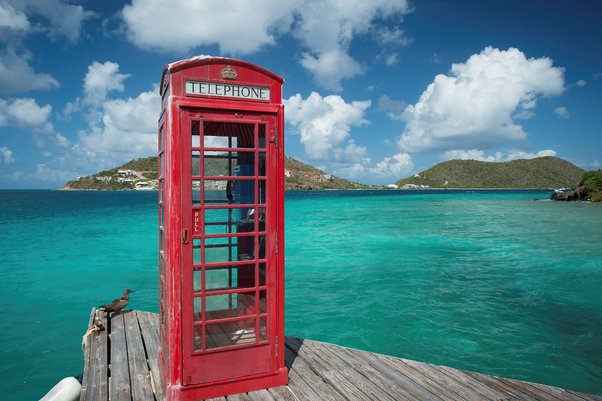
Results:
x,y
221,220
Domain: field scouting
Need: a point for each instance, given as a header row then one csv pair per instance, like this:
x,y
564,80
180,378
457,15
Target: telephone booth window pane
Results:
x,y
196,193
261,136
222,163
228,135
219,197
194,130
233,277
262,301
230,333
218,141
196,251
218,279
262,274
261,244
224,306
197,338
236,164
196,280
196,163
222,221
262,329
198,308
246,248
212,141
161,165
219,306
219,250
230,191
261,156
262,193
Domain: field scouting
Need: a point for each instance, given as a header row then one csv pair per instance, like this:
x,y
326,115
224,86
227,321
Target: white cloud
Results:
x,y
517,154
330,67
11,19
17,76
479,154
392,59
389,168
324,122
238,27
561,112
394,36
581,82
6,155
60,18
102,79
25,112
352,153
395,166
473,107
471,154
52,173
127,129
325,27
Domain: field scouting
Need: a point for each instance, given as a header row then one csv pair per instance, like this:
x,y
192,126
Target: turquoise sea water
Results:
x,y
492,282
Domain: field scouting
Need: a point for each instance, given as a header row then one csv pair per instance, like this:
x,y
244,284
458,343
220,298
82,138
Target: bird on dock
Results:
x,y
118,304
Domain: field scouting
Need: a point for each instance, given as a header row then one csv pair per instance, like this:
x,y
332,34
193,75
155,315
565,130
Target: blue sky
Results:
x,y
375,90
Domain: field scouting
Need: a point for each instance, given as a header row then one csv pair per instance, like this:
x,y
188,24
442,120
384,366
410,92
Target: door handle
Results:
x,y
184,235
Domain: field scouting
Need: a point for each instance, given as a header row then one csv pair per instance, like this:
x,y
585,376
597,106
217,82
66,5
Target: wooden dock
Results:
x,y
121,364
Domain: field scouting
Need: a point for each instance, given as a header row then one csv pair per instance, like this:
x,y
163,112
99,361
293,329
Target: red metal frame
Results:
x,y
201,355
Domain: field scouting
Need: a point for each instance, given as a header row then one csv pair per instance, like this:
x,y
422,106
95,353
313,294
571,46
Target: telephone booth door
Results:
x,y
230,253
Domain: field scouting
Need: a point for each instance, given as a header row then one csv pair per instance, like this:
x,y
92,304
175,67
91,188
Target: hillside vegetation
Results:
x,y
542,172
299,175
135,174
142,174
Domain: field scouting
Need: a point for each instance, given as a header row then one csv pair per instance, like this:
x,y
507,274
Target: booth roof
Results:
x,y
203,59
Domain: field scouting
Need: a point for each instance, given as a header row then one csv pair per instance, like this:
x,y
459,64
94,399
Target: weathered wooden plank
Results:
x,y
129,369
493,383
587,397
305,383
119,385
344,378
462,390
403,379
140,381
149,327
470,382
282,393
87,378
438,383
533,391
260,395
367,373
238,397
97,376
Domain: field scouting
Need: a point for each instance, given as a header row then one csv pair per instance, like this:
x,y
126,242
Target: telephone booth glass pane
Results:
x,y
229,198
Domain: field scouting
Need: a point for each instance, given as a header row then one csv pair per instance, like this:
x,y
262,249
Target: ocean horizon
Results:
x,y
499,282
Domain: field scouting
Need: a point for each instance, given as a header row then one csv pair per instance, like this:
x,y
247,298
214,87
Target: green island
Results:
x,y
141,174
539,173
